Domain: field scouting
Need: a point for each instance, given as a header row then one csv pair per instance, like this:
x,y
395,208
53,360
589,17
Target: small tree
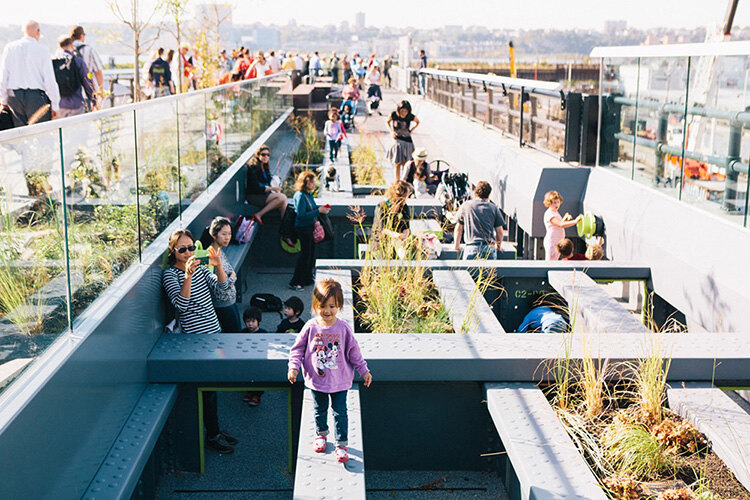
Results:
x,y
206,40
176,11
132,16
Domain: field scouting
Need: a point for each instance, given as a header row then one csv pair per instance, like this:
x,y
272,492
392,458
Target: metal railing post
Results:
x,y
733,154
661,139
463,103
474,102
488,118
520,131
532,124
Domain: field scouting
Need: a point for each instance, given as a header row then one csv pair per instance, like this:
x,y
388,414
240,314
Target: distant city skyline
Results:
x,y
583,14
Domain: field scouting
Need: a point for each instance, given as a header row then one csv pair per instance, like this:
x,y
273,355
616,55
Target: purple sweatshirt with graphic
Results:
x,y
328,356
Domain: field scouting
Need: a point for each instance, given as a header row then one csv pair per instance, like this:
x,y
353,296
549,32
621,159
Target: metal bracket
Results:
x,y
484,84
505,91
563,101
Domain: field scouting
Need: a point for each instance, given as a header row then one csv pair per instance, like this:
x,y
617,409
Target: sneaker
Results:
x,y
231,440
248,395
342,454
296,288
254,399
220,444
319,444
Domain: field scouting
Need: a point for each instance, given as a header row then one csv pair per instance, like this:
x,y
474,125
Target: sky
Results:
x,y
529,14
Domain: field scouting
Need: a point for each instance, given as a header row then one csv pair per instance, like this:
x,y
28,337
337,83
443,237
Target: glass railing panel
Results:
x,y
660,121
621,78
34,292
160,186
101,204
192,134
265,111
715,177
242,99
215,127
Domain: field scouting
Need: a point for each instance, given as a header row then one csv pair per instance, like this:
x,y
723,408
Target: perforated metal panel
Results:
x,y
546,461
726,423
318,475
119,473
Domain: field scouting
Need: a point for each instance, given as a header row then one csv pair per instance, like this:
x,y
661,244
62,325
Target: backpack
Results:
x,y
267,302
66,74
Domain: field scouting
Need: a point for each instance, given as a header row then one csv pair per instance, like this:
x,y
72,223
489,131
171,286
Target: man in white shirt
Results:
x,y
274,62
27,80
92,60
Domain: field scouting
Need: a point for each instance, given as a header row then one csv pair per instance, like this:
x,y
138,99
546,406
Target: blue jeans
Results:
x,y
340,417
422,85
481,251
334,146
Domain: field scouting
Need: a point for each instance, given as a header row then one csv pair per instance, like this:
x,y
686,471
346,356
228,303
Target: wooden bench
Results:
x,y
452,286
546,463
724,422
302,96
120,471
318,475
591,307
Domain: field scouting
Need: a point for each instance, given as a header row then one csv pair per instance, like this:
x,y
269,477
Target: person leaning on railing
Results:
x,y
189,286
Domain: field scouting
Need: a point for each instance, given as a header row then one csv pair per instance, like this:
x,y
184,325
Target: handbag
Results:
x,y
327,225
319,233
245,229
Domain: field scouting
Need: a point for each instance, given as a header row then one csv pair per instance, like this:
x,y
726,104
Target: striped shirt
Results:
x,y
196,314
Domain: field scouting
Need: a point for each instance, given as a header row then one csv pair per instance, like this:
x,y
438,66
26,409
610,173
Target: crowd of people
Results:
x,y
36,86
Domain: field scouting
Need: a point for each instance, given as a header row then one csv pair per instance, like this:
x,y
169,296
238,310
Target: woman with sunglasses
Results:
x,y
189,286
258,189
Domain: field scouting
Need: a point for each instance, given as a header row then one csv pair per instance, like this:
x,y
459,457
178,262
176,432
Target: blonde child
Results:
x,y
555,224
328,354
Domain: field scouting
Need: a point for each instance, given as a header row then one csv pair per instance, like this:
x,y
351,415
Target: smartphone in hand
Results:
x,y
203,259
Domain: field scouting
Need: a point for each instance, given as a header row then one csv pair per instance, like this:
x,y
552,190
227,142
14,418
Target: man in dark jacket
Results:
x,y
160,76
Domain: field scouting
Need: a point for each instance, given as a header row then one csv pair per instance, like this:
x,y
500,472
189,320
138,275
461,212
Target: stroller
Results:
x,y
348,112
453,191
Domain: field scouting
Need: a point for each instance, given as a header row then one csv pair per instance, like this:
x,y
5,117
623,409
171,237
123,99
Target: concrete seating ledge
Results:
x,y
724,422
457,290
544,459
513,357
120,471
595,311
318,475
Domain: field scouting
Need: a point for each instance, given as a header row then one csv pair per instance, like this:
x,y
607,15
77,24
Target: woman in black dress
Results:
x,y
400,123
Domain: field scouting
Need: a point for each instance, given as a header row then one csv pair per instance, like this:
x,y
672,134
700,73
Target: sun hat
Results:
x,y
419,154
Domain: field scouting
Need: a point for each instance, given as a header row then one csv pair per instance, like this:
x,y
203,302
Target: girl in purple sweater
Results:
x,y
328,354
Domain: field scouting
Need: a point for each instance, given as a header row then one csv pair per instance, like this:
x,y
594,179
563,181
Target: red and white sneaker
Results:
x,y
319,444
342,454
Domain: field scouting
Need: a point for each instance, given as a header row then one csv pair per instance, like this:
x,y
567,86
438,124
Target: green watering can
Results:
x,y
590,225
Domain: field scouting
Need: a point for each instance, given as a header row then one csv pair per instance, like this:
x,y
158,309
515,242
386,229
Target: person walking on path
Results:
x,y
335,133
346,67
422,77
328,353
72,79
387,63
334,62
93,63
400,124
160,76
555,224
27,80
481,224
307,215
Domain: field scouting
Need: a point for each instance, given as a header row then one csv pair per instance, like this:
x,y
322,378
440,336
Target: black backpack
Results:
x,y
66,74
267,302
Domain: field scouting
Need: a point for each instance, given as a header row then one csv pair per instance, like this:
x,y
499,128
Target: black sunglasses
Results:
x,y
264,154
190,248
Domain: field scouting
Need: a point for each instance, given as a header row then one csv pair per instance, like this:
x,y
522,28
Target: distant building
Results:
x,y
263,38
344,26
359,20
615,26
452,29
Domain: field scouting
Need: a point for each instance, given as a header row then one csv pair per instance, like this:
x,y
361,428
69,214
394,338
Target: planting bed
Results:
x,y
636,447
